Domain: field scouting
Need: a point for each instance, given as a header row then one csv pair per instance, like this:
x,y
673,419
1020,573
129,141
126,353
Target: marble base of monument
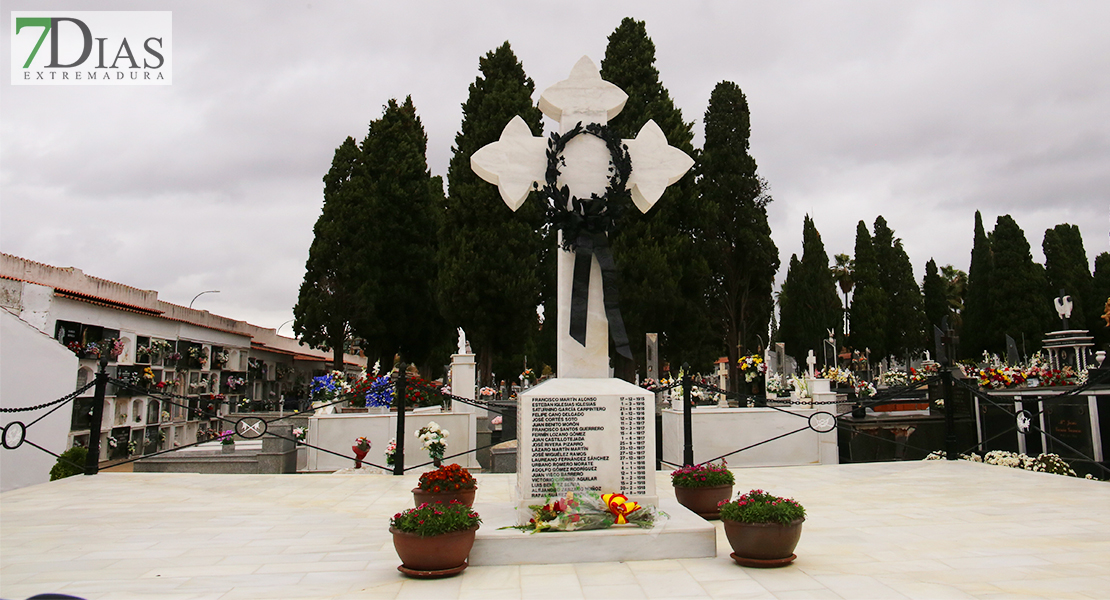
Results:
x,y
682,535
596,434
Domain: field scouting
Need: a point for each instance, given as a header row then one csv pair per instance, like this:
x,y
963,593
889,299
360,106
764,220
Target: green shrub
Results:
x,y
427,519
71,462
758,506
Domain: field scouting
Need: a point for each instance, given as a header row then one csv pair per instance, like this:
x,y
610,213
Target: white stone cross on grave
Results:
x,y
518,162
810,361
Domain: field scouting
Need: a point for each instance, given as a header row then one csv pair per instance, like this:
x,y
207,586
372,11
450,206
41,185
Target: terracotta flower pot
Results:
x,y
704,501
763,544
420,496
438,553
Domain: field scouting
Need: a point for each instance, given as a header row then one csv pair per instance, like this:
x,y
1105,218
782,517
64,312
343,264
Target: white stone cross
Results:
x,y
518,161
810,361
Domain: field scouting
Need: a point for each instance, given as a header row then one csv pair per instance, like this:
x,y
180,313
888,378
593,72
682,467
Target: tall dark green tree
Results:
x,y
935,299
663,277
1066,267
809,302
402,199
744,258
329,304
905,321
1017,290
978,315
1100,290
494,263
869,302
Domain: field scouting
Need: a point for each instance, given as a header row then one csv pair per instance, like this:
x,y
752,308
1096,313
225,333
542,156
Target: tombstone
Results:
x,y
811,360
583,426
651,351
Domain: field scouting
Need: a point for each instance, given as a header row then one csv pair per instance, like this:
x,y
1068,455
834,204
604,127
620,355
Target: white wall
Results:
x,y
337,433
718,431
34,369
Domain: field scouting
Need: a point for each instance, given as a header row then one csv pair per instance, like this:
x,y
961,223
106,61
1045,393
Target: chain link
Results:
x,y
61,400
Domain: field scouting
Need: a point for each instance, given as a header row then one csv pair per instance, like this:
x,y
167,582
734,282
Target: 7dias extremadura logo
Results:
x,y
92,48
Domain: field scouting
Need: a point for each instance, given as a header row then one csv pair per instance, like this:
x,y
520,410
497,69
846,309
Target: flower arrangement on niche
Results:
x,y
198,354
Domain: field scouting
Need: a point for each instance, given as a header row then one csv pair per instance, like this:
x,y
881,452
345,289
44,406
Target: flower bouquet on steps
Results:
x,y
580,510
361,447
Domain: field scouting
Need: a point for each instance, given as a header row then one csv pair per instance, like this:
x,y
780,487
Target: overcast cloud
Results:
x,y
922,112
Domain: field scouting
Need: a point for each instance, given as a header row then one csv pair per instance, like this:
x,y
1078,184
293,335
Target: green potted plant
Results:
x,y
701,488
445,484
763,529
434,540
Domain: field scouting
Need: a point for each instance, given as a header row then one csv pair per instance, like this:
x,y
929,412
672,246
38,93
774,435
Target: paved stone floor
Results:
x,y
883,530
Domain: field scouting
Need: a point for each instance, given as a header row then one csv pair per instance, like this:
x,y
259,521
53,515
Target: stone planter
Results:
x,y
420,496
704,501
763,544
436,556
227,448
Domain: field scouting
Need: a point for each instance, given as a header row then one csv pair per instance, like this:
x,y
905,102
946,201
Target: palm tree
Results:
x,y
843,272
955,285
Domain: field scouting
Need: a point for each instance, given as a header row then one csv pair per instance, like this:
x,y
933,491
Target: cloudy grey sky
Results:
x,y
922,112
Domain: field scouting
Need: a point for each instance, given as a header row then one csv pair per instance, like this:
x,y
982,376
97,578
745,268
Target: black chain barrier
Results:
x,y
1044,400
821,421
61,400
165,398
18,426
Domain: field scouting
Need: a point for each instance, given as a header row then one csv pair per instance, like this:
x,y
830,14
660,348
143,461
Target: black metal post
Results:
x,y
949,415
92,461
687,418
399,402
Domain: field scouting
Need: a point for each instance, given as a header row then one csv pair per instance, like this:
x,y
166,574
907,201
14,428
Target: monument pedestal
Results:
x,y
587,433
682,534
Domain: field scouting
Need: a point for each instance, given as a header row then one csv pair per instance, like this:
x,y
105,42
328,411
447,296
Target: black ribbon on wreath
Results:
x,y
585,224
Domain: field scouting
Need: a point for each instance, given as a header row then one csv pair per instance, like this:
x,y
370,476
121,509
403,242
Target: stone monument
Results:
x,y
584,427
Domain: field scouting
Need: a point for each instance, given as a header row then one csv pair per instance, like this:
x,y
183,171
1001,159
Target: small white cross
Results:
x,y
810,361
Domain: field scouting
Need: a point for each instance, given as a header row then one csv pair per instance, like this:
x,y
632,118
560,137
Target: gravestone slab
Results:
x,y
593,433
1070,428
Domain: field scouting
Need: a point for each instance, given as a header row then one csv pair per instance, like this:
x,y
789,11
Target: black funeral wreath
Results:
x,y
597,214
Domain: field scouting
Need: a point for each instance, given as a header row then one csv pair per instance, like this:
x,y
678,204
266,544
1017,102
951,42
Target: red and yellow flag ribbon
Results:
x,y
620,506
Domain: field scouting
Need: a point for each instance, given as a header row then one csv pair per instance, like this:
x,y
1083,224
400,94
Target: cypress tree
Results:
x,y
662,274
1100,291
1065,265
328,303
744,257
809,300
869,302
905,323
1017,292
494,267
933,291
978,323
400,218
